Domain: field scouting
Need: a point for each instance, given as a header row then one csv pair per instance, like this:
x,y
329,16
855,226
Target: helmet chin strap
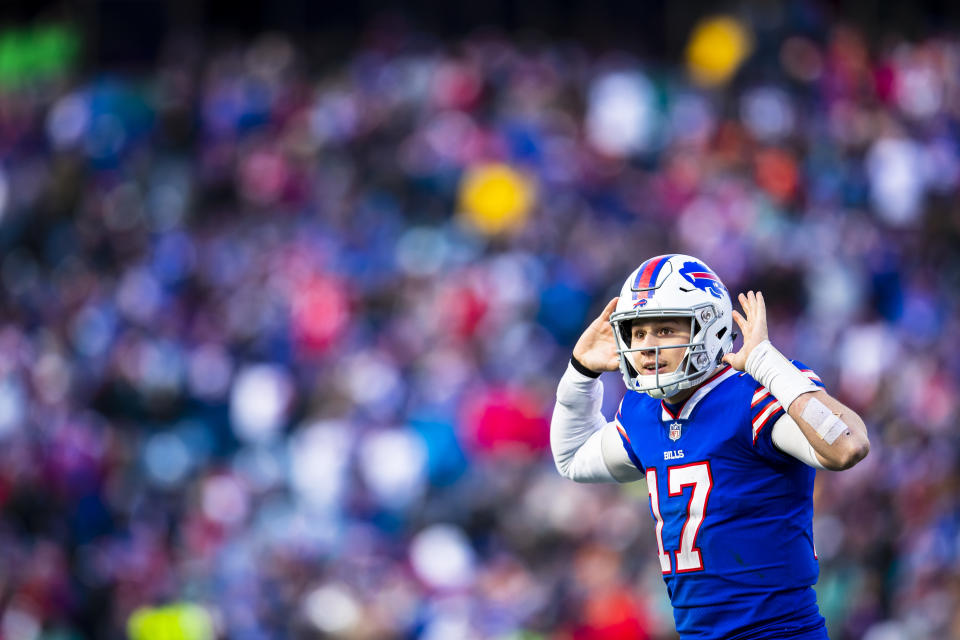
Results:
x,y
662,392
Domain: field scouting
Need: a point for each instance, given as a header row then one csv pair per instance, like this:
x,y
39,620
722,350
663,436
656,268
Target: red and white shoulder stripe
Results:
x,y
764,409
616,420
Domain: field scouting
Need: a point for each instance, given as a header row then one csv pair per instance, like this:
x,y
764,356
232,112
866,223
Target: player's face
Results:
x,y
658,332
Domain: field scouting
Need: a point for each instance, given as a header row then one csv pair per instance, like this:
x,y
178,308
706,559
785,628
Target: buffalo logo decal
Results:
x,y
702,278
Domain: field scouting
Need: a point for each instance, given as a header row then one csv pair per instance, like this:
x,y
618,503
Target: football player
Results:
x,y
728,443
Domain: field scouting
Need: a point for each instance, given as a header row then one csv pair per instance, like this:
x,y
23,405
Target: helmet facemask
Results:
x,y
694,367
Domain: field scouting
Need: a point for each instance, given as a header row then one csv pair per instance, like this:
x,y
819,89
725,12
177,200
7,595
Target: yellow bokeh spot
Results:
x,y
717,48
496,198
182,621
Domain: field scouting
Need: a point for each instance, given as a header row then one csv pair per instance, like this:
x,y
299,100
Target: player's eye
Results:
x,y
665,331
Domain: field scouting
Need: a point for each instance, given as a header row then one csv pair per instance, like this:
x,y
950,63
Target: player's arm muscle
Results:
x,y
849,447
788,437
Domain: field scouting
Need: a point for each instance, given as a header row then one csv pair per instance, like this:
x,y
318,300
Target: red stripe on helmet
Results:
x,y
646,275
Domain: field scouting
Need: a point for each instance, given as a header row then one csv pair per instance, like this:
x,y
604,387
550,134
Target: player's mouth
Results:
x,y
652,368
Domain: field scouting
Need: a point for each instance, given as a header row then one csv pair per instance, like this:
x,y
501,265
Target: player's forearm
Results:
x,y
840,445
836,433
577,417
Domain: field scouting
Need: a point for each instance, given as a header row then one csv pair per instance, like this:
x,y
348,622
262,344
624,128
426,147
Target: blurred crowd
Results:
x,y
279,336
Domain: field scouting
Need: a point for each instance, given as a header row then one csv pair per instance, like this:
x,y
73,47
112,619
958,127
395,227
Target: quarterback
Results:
x,y
728,442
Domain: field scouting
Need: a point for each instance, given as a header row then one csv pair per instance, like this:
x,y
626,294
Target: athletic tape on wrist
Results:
x,y
770,368
826,423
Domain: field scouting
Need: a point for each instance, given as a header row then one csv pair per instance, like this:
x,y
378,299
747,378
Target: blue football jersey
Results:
x,y
733,514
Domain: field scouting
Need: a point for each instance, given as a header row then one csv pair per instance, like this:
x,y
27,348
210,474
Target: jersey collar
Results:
x,y
684,410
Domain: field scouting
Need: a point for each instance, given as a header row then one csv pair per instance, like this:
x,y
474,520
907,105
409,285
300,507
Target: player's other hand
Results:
x,y
597,348
753,327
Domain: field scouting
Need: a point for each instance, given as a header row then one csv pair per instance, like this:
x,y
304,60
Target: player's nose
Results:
x,y
646,343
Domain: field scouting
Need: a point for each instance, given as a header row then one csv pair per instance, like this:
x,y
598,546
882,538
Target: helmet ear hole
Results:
x,y
625,329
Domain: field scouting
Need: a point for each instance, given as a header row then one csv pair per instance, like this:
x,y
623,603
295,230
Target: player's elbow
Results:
x,y
860,452
568,469
563,466
562,458
854,451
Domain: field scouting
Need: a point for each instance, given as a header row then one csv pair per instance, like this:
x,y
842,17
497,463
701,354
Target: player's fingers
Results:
x,y
740,320
757,306
608,310
747,304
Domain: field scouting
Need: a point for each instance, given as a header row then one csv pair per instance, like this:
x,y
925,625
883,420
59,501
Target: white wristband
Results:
x,y
770,368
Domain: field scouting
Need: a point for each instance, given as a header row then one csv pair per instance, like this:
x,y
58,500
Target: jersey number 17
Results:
x,y
698,476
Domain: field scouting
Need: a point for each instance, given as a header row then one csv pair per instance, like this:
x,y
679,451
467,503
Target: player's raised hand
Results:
x,y
753,327
597,348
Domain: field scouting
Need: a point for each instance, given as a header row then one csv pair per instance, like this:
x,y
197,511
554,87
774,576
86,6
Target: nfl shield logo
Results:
x,y
675,431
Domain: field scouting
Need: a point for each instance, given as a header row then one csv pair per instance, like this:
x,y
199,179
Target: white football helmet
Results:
x,y
676,286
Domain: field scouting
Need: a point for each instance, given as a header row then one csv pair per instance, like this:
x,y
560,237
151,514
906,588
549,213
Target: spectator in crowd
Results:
x,y
276,342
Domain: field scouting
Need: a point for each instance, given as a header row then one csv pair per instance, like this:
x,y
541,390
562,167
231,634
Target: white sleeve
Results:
x,y
580,437
788,438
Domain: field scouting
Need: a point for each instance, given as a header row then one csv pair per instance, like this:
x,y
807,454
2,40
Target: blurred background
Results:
x,y
286,290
